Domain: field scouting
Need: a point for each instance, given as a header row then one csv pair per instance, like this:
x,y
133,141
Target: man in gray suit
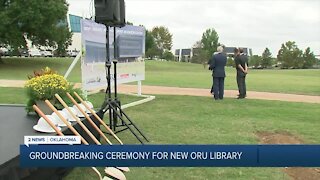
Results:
x,y
218,63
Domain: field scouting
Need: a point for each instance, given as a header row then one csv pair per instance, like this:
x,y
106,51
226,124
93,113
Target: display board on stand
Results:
x,y
130,47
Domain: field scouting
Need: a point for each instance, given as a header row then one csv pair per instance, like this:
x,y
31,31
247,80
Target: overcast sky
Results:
x,y
256,24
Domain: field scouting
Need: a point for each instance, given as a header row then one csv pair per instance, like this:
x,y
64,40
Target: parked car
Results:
x,y
16,52
11,52
34,53
3,51
23,52
46,53
72,53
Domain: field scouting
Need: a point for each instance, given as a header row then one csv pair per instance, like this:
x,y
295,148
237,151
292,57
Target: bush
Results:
x,y
167,55
44,84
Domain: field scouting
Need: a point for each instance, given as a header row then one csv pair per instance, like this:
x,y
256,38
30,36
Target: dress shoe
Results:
x,y
242,96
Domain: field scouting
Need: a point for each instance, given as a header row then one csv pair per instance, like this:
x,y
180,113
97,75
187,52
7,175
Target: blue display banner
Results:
x,y
170,155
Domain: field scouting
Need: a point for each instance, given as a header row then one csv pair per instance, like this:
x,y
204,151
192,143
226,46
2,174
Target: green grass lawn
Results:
x,y
197,120
194,75
182,75
200,120
20,68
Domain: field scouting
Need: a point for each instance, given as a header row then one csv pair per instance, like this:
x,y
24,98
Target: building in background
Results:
x,y
75,28
185,55
230,51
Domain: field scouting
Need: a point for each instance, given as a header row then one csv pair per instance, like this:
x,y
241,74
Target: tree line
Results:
x,y
45,24
159,45
289,56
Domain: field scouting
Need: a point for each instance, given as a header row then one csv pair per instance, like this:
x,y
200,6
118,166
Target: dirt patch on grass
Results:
x,y
287,138
278,138
303,173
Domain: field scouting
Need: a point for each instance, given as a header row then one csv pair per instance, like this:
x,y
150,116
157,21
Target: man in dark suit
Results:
x,y
218,63
241,61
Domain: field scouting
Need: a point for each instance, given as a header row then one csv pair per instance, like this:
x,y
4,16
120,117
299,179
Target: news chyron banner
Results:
x,y
130,48
169,155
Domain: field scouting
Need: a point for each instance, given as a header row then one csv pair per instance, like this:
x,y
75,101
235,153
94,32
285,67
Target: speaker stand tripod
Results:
x,y
114,105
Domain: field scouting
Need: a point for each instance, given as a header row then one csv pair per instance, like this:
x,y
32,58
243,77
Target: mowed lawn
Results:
x,y
177,74
195,75
20,68
200,120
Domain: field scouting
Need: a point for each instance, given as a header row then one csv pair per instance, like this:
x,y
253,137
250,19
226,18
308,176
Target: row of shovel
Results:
x,y
111,172
44,127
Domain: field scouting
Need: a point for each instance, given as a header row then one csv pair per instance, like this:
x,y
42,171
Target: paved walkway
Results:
x,y
228,93
11,83
194,92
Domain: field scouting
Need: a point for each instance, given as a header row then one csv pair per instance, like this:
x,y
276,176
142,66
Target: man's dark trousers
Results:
x,y
218,87
241,81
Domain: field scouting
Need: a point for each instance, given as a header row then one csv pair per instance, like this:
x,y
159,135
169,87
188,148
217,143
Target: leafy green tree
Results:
x,y
151,48
153,52
309,59
274,61
162,38
266,60
200,55
63,40
210,40
150,42
255,61
290,56
42,22
167,55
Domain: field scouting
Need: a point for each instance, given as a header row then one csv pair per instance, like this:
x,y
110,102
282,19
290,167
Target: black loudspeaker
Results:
x,y
110,12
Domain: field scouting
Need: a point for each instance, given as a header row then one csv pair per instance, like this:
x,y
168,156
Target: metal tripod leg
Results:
x,y
127,117
127,125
